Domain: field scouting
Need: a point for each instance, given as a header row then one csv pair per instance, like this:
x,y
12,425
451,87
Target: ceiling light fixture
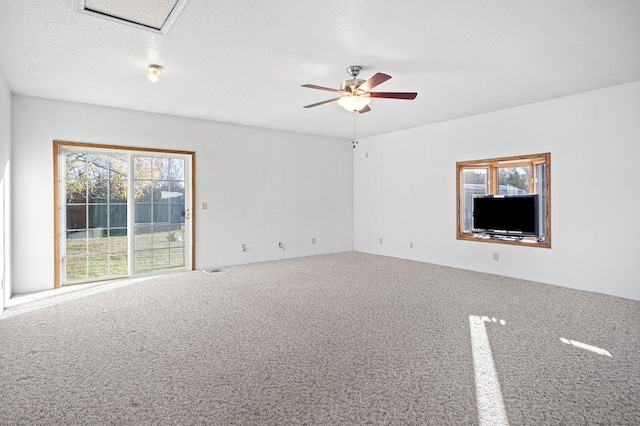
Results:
x,y
154,72
354,102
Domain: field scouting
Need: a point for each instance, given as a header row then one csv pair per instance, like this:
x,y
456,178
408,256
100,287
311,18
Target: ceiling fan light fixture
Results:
x,y
154,72
353,103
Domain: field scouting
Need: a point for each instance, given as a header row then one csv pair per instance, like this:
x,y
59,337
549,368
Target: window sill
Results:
x,y
514,241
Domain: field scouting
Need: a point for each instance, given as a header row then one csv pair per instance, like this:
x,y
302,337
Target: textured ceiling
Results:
x,y
243,61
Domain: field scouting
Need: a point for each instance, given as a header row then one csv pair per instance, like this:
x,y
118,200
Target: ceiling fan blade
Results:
x,y
321,103
394,95
373,81
313,86
365,109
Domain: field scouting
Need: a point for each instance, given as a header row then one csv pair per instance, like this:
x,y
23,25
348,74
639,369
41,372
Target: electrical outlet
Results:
x,y
410,244
496,256
313,241
204,205
243,247
380,240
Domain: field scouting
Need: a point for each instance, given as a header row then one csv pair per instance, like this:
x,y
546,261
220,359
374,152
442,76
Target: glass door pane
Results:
x,y
96,216
160,213
122,213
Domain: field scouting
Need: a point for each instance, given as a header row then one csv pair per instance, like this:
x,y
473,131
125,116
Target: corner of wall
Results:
x,y
5,191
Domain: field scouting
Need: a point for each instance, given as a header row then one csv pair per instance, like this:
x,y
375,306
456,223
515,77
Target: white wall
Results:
x,y
5,199
261,186
405,190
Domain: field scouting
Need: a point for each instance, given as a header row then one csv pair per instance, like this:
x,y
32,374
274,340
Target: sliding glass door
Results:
x,y
122,213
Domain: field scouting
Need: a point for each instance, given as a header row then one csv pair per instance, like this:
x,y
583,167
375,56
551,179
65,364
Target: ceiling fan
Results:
x,y
355,94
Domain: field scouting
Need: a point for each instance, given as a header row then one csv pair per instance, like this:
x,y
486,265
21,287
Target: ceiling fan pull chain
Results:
x,y
355,142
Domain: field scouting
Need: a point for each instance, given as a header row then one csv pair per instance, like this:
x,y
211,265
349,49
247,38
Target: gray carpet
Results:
x,y
341,339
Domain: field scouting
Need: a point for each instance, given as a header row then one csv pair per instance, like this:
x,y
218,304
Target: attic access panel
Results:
x,y
157,16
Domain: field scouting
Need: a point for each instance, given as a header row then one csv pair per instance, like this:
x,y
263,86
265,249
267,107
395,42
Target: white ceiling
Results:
x,y
243,61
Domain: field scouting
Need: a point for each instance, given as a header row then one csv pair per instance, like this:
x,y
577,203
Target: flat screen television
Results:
x,y
508,215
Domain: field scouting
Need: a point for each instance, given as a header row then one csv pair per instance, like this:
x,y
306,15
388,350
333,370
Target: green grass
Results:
x,y
106,257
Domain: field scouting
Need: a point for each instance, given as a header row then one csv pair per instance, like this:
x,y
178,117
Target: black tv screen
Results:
x,y
506,214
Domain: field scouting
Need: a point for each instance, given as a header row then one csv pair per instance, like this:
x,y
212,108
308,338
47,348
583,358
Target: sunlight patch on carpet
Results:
x,y
491,410
48,298
586,346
